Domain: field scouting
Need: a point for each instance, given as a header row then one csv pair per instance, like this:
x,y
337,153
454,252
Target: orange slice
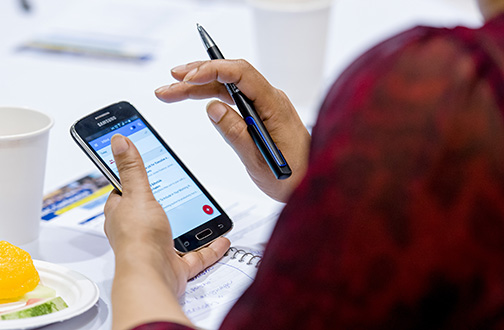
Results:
x,y
17,272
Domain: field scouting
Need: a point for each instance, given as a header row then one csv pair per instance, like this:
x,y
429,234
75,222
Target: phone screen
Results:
x,y
186,206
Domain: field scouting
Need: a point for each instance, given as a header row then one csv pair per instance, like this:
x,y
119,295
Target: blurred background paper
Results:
x,y
112,29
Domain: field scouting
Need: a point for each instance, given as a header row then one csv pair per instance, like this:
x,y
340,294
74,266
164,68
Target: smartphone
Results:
x,y
195,217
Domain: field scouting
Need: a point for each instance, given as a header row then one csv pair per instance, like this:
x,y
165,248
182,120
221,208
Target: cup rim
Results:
x,y
29,134
291,7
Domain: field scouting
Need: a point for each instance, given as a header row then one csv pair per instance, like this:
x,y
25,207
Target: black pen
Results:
x,y
255,126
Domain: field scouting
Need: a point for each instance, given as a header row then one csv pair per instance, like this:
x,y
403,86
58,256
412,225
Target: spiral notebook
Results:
x,y
210,294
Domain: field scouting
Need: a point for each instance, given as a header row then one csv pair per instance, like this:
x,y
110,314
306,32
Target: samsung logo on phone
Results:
x,y
106,121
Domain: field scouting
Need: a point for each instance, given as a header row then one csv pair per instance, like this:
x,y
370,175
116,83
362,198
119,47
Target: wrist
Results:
x,y
140,253
144,288
148,261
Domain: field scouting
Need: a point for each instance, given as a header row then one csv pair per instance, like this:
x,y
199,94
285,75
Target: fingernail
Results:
x,y
161,89
119,144
190,74
216,111
179,68
165,88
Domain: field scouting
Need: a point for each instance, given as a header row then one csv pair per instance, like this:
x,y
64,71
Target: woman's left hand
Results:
x,y
150,275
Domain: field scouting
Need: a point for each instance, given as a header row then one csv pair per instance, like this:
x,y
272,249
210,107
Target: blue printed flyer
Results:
x,y
78,204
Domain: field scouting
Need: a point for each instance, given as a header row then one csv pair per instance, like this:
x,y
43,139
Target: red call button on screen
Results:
x,y
207,209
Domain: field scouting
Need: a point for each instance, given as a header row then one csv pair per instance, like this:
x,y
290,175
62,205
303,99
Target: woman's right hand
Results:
x,y
206,79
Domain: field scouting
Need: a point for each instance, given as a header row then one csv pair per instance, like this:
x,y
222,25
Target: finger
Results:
x,y
113,199
238,72
179,72
230,125
207,256
131,168
233,129
181,91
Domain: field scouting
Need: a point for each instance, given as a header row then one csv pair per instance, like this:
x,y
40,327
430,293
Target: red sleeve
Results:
x,y
399,220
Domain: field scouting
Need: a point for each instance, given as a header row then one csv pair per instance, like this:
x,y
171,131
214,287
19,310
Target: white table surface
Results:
x,y
68,88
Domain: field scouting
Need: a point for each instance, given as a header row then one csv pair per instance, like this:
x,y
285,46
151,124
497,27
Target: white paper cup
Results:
x,y
291,38
24,135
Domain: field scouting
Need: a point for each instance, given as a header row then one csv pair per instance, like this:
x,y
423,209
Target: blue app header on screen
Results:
x,y
125,130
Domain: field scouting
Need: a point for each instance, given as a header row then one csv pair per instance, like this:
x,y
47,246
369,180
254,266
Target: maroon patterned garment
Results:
x,y
399,222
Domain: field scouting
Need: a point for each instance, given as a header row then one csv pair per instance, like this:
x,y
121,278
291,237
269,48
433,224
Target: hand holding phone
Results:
x,y
195,217
146,262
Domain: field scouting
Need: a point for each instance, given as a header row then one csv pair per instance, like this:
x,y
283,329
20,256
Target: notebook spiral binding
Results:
x,y
244,256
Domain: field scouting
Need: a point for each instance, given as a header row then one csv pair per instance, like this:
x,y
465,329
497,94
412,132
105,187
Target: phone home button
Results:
x,y
204,234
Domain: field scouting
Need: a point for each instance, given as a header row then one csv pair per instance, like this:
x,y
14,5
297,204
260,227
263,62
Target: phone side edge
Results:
x,y
103,169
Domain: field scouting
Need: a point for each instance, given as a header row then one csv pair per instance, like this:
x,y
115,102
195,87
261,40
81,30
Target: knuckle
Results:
x,y
200,260
241,66
243,63
281,93
233,132
128,165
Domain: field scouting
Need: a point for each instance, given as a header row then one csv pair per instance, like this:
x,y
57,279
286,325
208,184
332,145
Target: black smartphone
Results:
x,y
195,217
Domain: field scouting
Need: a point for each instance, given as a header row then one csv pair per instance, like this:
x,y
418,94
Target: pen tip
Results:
x,y
198,26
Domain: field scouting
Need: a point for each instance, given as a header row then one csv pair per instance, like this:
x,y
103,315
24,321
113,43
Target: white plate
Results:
x,y
79,292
